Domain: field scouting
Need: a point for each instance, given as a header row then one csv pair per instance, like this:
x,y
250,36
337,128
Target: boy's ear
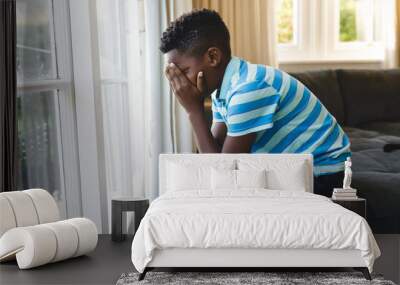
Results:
x,y
214,56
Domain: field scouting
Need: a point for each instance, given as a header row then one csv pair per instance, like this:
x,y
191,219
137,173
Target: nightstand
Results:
x,y
126,204
357,205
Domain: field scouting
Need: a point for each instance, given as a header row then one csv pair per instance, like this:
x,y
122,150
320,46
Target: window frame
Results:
x,y
62,84
315,45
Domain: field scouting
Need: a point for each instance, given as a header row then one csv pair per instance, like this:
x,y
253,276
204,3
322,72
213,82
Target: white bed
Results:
x,y
249,227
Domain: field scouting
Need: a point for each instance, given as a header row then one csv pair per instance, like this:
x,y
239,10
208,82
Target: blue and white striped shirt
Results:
x,y
285,114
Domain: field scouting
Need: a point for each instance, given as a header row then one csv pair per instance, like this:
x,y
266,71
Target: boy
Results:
x,y
256,108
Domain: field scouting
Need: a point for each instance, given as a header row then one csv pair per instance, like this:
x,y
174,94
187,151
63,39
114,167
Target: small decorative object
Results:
x,y
347,174
347,192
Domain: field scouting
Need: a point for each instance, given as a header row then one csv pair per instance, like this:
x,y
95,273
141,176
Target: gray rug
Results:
x,y
225,278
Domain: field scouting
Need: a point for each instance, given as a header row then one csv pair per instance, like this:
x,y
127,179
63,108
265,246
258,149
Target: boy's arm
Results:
x,y
191,97
217,141
218,131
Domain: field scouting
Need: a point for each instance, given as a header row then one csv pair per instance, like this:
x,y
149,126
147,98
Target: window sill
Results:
x,y
330,60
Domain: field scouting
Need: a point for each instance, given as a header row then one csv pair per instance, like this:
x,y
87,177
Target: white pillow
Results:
x,y
223,179
282,174
237,179
185,175
182,178
251,178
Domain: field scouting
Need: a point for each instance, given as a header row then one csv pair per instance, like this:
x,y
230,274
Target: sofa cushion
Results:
x,y
367,151
376,177
389,128
370,95
324,85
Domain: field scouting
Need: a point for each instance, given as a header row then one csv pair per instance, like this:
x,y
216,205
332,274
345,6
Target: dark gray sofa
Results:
x,y
367,105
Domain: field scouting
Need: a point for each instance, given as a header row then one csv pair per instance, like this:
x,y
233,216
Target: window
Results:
x,y
348,21
334,30
45,107
355,20
287,21
35,41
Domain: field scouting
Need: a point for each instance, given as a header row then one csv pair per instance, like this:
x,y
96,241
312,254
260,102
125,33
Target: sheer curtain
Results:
x,y
391,45
181,128
140,116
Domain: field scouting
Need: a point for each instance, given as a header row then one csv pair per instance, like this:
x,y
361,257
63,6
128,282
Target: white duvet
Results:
x,y
250,219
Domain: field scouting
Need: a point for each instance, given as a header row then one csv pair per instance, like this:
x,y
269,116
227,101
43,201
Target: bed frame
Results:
x,y
241,259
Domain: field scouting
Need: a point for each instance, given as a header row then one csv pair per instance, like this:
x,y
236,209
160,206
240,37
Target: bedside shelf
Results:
x,y
357,205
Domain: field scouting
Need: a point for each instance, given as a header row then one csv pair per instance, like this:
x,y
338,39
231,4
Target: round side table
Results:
x,y
126,204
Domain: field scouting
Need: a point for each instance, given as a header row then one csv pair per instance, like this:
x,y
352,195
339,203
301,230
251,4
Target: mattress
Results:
x,y
251,219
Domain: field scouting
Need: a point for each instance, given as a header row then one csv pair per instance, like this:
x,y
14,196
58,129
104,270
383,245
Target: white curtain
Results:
x,y
389,37
181,127
167,126
140,117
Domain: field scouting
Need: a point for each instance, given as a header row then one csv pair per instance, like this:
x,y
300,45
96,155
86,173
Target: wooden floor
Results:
x,y
111,259
103,266
389,263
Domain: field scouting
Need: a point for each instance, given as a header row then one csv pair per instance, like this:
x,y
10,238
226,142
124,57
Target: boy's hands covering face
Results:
x,y
190,96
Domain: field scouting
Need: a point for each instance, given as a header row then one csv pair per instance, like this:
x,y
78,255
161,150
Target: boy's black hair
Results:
x,y
195,32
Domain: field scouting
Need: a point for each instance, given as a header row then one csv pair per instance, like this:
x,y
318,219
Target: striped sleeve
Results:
x,y
251,108
217,117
